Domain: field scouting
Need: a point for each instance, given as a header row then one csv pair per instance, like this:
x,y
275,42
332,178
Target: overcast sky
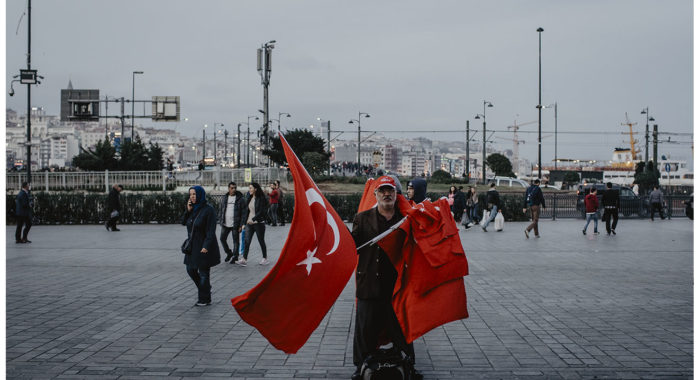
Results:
x,y
413,65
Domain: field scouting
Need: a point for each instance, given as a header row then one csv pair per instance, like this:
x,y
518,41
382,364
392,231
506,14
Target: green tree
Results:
x,y
301,141
315,163
500,165
103,157
571,178
155,157
646,176
133,155
441,176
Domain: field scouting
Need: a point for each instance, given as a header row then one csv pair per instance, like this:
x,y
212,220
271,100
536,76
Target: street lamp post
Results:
x,y
133,89
215,133
279,120
204,143
359,133
238,138
555,132
483,148
466,170
539,109
645,111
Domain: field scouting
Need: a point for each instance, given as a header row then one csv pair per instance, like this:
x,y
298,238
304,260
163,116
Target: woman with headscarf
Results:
x,y
254,217
200,219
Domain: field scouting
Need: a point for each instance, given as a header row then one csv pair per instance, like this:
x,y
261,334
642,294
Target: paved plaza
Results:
x,y
86,303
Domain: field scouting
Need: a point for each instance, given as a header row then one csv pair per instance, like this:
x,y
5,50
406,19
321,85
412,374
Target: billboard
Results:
x,y
165,108
80,105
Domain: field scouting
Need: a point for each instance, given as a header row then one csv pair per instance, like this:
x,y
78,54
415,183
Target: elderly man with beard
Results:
x,y
375,279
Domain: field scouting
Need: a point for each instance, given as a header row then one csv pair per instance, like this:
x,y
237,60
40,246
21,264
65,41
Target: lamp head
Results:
x,y
540,30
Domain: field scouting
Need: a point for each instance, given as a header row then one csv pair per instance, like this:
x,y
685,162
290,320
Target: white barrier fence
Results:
x,y
144,180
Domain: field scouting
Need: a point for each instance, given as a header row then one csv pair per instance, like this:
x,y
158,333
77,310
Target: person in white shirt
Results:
x,y
231,209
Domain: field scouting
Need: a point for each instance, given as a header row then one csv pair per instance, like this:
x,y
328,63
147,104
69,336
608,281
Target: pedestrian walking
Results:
x,y
591,203
24,205
231,210
451,198
534,200
493,203
460,204
656,199
114,207
200,219
611,206
375,279
280,208
274,203
475,216
254,215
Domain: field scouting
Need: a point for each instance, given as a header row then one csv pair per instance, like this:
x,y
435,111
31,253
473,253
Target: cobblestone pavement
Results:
x,y
86,303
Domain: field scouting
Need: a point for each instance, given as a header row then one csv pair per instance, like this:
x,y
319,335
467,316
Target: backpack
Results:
x,y
528,196
386,363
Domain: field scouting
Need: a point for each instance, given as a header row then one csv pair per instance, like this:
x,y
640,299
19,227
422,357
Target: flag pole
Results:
x,y
384,234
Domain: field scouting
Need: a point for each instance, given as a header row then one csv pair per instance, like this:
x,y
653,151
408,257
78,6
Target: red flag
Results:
x,y
428,256
315,264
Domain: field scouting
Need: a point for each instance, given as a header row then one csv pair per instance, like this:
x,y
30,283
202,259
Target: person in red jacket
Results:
x,y
591,202
274,203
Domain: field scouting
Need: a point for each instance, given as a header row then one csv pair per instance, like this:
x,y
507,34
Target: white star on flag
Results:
x,y
309,261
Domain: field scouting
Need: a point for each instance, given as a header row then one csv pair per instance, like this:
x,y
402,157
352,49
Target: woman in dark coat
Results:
x,y
254,218
200,219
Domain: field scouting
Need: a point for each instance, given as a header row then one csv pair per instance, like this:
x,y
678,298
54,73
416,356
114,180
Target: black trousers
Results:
x,y
659,207
610,215
223,237
373,317
201,277
112,222
25,221
250,230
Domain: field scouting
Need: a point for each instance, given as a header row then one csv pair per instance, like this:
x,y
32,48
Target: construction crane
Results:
x,y
517,142
632,133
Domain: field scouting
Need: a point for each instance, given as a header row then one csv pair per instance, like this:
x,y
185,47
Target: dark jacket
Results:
x,y
611,198
204,235
536,198
23,204
656,196
420,187
375,275
460,201
113,200
239,207
261,204
492,198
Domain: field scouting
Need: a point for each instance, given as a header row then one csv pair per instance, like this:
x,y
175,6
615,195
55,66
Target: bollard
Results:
x,y
46,177
106,181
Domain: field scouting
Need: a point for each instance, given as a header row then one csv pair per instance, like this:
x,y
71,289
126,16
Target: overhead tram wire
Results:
x,y
492,130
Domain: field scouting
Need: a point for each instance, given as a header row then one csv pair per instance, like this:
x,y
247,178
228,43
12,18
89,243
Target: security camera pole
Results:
x,y
265,69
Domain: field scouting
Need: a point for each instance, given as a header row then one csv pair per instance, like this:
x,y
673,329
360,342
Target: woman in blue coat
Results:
x,y
200,219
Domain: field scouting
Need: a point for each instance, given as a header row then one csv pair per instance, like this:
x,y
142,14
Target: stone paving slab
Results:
x,y
84,303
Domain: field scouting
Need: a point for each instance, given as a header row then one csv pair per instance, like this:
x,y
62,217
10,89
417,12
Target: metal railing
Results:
x,y
144,180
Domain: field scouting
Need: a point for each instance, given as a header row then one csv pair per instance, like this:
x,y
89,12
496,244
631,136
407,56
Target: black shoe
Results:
x,y
356,375
233,260
19,241
584,231
115,229
107,226
613,232
26,241
202,304
228,257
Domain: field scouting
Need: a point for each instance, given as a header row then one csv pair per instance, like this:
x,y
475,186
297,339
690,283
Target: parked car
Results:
x,y
509,182
689,207
630,203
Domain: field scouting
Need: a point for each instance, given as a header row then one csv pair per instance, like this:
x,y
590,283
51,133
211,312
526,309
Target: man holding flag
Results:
x,y
376,277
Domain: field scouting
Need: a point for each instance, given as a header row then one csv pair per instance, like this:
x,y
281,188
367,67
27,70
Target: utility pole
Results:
x,y
466,172
328,130
265,69
225,147
656,142
483,153
539,110
238,157
29,92
359,134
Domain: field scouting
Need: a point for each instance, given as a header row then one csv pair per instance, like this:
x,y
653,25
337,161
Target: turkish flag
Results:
x,y
315,265
427,253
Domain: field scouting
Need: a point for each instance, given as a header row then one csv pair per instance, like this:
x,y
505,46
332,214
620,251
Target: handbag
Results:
x,y
114,214
186,246
499,222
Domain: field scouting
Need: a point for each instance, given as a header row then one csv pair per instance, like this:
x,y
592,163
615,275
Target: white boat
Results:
x,y
622,168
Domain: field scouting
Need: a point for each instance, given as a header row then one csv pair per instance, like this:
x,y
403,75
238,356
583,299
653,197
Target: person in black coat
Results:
x,y
254,216
23,211
113,207
231,210
459,206
611,206
493,203
200,219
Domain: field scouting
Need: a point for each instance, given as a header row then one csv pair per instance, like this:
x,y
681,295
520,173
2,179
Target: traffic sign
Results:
x,y
667,167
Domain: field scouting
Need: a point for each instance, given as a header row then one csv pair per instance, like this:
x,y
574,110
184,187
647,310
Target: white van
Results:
x,y
509,182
